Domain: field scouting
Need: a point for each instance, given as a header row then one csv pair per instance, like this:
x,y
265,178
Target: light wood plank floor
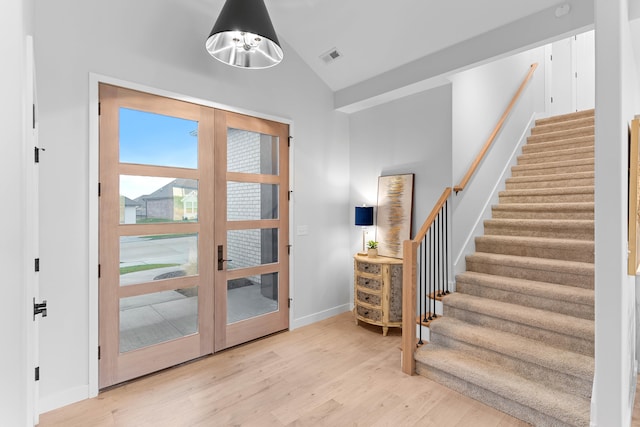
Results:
x,y
331,373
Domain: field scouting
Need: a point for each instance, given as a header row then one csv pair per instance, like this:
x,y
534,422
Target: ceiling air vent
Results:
x,y
330,56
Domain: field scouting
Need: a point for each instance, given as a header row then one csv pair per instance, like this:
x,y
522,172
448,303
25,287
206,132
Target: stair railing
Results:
x,y
426,257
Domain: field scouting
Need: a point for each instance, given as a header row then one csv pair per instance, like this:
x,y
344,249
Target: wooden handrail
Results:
x,y
493,135
432,216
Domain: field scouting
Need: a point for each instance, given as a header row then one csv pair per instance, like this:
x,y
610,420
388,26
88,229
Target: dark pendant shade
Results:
x,y
243,36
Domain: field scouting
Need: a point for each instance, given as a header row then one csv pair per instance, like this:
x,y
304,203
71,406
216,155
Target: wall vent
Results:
x,y
330,56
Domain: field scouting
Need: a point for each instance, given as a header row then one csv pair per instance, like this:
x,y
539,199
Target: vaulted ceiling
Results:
x,y
385,46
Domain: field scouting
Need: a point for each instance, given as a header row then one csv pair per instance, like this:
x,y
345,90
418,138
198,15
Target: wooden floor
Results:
x,y
331,373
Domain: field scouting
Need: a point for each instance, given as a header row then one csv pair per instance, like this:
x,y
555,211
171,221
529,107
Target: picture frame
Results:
x,y
394,214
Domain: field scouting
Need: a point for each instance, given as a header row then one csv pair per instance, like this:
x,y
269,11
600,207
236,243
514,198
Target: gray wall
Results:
x,y
480,97
410,135
129,40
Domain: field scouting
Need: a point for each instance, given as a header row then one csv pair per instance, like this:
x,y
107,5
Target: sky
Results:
x,y
154,139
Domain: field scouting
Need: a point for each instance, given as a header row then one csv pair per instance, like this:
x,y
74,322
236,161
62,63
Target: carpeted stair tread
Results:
x,y
518,314
565,117
561,228
562,125
517,347
562,134
571,210
529,287
557,408
547,195
556,155
568,300
539,247
550,168
574,179
569,273
576,142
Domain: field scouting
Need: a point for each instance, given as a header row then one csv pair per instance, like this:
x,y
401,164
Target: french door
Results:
x,y
193,231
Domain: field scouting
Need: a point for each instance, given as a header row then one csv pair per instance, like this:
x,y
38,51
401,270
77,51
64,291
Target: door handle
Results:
x,y
221,259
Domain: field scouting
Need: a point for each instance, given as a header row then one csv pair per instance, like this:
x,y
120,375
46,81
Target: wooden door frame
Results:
x,y
93,208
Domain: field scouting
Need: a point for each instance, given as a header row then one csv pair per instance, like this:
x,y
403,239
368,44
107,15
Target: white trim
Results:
x,y
64,398
321,315
485,213
93,238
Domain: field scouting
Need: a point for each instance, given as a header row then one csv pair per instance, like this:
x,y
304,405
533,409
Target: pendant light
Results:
x,y
243,36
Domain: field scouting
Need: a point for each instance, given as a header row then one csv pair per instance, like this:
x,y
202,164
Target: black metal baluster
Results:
x,y
446,247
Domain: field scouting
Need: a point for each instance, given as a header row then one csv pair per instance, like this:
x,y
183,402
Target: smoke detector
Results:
x,y
331,55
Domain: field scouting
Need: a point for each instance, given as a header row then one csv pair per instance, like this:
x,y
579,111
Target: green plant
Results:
x,y
372,244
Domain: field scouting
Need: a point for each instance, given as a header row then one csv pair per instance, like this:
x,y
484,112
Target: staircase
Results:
x,y
518,333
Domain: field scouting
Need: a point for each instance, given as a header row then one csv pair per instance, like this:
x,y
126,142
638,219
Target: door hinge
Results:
x,y
39,308
37,373
289,303
33,115
99,108
551,57
289,195
99,353
99,189
98,271
36,154
289,141
552,99
37,264
289,249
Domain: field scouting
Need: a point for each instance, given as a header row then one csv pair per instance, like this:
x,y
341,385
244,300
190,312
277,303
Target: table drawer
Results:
x,y
365,267
369,283
368,298
370,313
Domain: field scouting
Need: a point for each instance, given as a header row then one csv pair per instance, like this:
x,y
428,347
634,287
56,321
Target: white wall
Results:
x,y
480,97
15,24
133,41
616,103
410,135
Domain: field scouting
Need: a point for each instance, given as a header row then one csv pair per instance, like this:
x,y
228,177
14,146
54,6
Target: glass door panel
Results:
x,y
254,271
155,177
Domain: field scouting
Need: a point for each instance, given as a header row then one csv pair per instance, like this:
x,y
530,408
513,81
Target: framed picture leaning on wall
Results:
x,y
394,214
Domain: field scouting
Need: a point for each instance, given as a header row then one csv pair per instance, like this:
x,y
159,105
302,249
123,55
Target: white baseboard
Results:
x,y
316,317
63,398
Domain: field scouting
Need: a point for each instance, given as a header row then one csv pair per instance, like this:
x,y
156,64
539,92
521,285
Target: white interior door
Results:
x,y
562,81
585,71
31,212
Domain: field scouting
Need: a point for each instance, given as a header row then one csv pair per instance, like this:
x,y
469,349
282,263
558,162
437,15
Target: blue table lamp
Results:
x,y
364,219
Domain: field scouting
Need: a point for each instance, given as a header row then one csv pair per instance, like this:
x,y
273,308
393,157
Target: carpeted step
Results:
x,y
565,117
555,368
554,329
552,228
569,273
550,168
576,179
547,195
579,142
502,389
569,300
556,155
560,135
573,210
579,122
537,247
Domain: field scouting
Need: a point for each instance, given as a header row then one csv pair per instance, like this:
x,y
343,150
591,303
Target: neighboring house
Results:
x,y
128,210
176,201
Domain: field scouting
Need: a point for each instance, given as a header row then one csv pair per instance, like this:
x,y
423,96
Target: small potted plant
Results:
x,y
372,249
